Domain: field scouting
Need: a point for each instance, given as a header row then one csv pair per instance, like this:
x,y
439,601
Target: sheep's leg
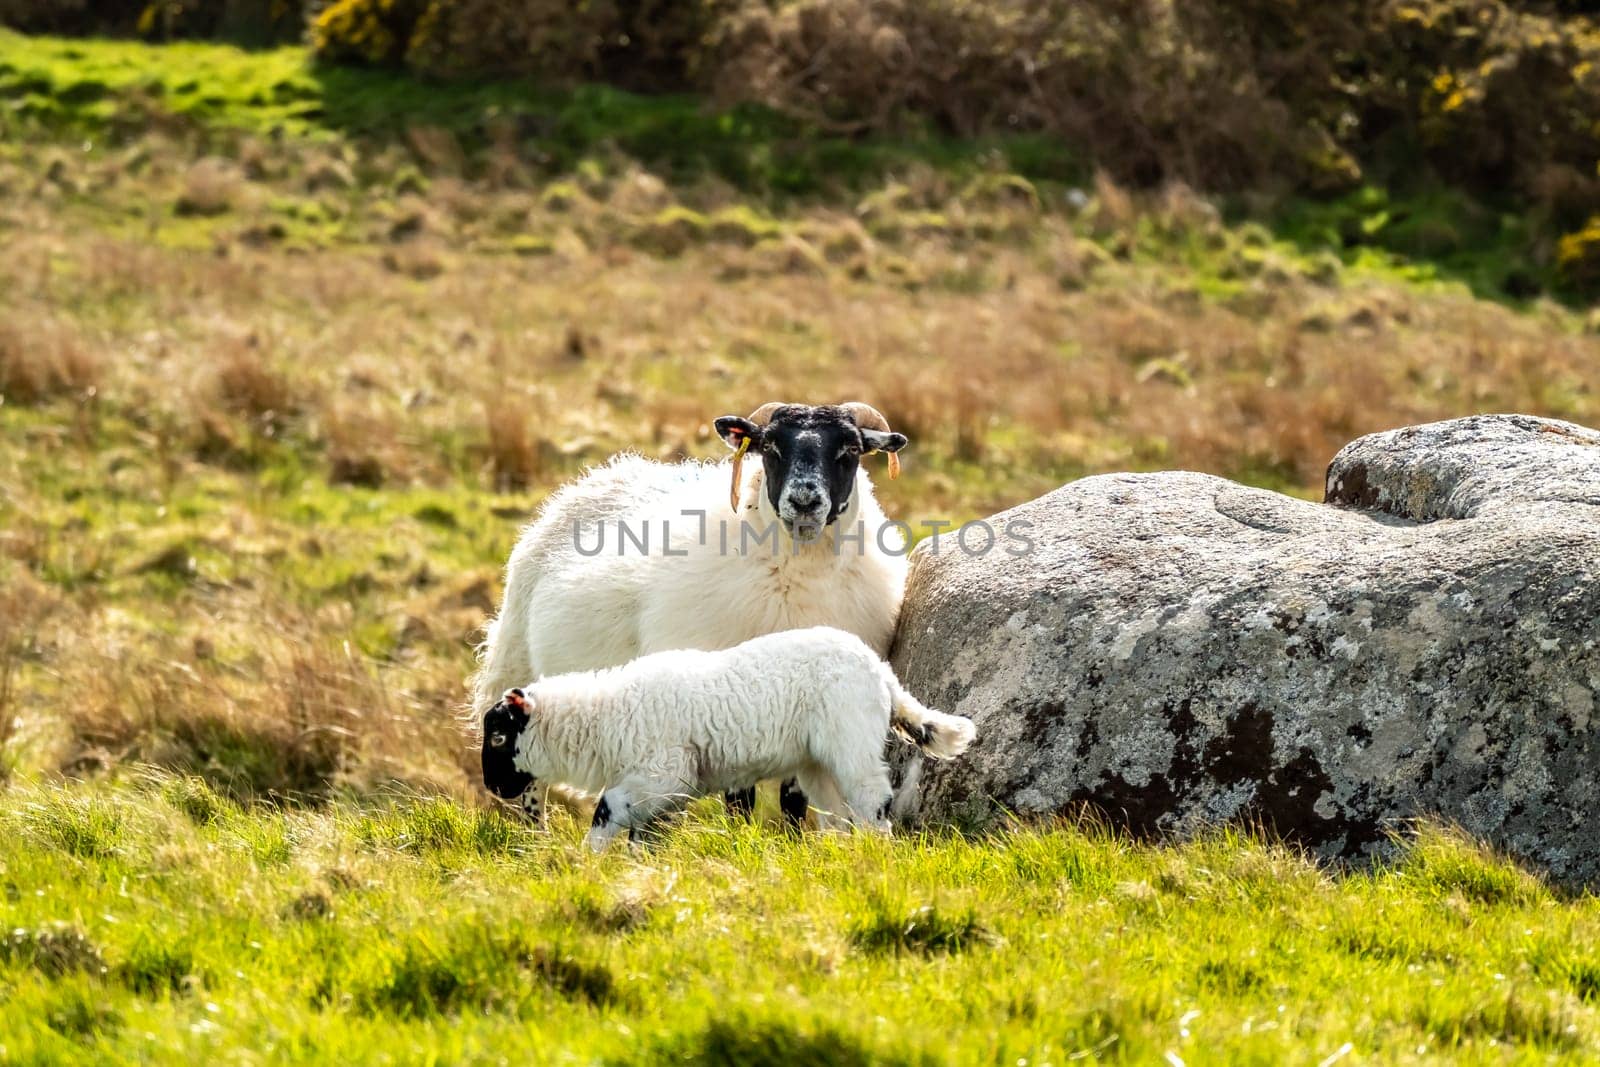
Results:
x,y
741,802
793,803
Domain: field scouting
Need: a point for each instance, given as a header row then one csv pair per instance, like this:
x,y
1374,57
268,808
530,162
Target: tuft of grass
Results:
x,y
438,826
1448,863
194,797
41,360
887,926
53,950
477,970
87,827
757,1042
155,967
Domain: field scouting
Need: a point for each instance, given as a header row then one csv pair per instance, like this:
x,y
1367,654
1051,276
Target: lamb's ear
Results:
x,y
736,430
518,701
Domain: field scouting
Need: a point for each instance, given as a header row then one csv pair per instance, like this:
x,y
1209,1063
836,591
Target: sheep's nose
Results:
x,y
805,497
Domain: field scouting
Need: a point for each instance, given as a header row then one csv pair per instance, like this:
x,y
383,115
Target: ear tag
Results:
x,y
894,464
738,462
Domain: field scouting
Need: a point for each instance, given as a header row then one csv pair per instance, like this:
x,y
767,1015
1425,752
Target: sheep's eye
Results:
x,y
497,740
852,450
770,447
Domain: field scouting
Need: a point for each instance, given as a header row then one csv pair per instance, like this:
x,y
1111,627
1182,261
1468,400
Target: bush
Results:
x,y
373,32
638,44
248,22
552,38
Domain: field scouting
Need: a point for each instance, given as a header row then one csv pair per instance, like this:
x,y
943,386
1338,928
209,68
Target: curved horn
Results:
x,y
763,414
760,416
870,418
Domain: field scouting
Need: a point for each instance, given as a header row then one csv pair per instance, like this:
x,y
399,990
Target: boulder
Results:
x,y
1178,651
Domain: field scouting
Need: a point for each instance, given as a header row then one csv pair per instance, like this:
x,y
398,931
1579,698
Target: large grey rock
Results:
x,y
1180,651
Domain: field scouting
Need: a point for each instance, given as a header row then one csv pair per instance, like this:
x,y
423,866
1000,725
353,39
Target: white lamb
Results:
x,y
666,728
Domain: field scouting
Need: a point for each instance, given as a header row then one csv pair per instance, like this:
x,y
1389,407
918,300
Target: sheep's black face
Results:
x,y
502,725
810,455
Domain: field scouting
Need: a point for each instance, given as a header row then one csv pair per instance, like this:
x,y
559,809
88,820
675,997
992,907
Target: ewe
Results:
x,y
638,557
654,734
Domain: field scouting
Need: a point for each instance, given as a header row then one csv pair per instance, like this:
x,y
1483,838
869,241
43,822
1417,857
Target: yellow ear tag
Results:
x,y
894,464
738,461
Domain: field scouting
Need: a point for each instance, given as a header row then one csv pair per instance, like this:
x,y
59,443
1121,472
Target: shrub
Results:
x,y
373,32
250,22
639,44
1578,257
553,38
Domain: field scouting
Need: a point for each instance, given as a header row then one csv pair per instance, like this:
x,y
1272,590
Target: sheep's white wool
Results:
x,y
565,610
815,704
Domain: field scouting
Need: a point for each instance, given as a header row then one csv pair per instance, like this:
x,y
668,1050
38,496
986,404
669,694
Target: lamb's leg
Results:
x,y
642,799
817,784
531,804
635,804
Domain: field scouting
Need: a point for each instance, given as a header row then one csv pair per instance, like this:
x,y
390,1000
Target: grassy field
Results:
x,y
157,922
282,374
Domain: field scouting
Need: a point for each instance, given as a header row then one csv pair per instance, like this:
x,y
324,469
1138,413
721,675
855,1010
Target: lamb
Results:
x,y
638,557
655,733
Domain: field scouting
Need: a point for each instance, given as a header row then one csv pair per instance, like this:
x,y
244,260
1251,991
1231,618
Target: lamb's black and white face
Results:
x,y
810,455
502,725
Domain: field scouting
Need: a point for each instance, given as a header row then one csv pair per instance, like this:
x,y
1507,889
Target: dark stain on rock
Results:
x,y
1089,738
1137,810
1184,769
1285,801
1039,721
1244,752
1352,490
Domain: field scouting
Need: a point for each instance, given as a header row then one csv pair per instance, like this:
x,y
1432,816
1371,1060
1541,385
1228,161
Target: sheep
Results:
x,y
657,732
736,552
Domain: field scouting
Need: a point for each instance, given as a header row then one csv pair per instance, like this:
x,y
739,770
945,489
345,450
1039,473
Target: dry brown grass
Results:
x,y
292,717
211,186
25,605
243,382
42,358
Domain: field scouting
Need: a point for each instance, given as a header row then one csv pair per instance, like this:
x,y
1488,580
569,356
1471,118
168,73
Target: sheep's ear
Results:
x,y
883,440
518,701
736,430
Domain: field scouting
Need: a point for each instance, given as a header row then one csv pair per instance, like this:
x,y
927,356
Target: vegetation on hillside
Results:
x,y
1487,102
262,362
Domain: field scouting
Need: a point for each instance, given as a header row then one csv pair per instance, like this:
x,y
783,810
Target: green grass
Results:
x,y
424,931
100,86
